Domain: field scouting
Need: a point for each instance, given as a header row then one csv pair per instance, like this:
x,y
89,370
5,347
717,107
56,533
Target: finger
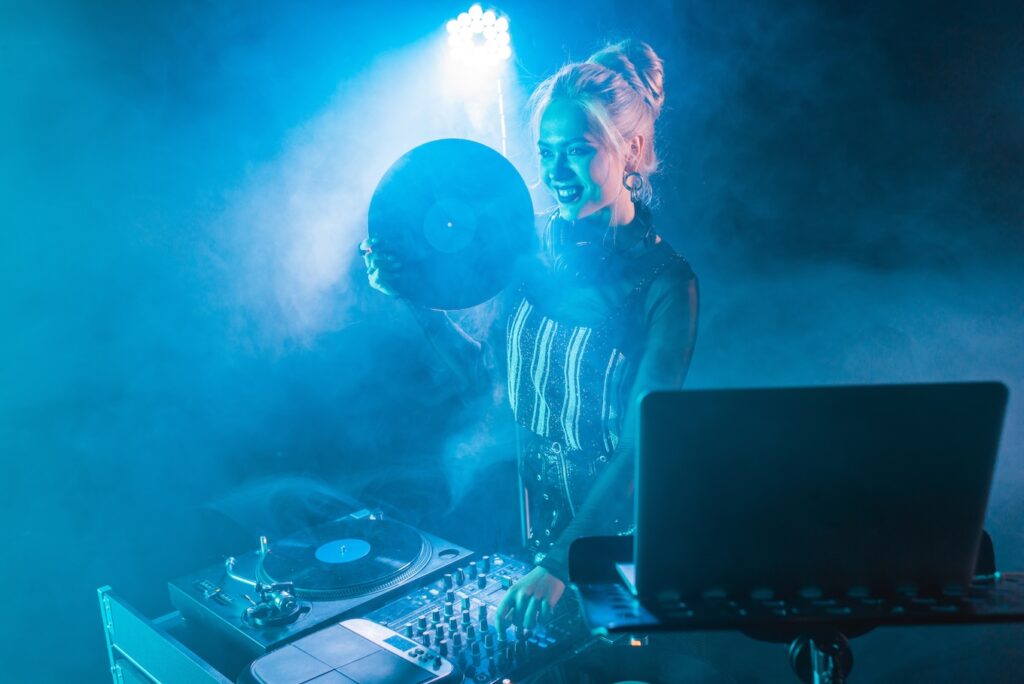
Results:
x,y
522,598
364,246
530,613
545,612
384,285
504,608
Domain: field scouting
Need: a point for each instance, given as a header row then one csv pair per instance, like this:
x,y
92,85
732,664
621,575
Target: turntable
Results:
x,y
292,586
407,601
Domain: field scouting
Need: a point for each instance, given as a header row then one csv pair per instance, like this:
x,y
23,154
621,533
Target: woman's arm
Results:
x,y
456,348
460,352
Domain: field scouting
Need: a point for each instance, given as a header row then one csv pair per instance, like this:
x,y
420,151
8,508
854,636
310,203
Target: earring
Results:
x,y
634,182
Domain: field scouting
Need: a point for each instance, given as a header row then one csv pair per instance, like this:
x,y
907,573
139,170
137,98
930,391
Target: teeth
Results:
x,y
568,193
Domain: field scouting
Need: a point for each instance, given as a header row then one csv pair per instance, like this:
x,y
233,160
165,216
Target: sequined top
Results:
x,y
569,383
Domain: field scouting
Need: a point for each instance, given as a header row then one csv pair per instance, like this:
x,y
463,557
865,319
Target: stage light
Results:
x,y
479,44
478,38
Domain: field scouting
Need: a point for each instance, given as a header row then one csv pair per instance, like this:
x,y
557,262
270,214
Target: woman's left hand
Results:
x,y
530,600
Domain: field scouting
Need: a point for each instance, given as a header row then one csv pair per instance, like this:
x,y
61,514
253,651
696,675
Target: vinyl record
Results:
x,y
345,558
458,216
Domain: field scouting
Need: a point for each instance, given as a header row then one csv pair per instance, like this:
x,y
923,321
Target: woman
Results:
x,y
607,312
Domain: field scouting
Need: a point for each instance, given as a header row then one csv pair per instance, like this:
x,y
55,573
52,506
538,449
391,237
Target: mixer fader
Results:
x,y
456,617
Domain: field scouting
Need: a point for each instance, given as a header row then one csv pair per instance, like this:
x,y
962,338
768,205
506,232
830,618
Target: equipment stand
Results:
x,y
821,658
817,631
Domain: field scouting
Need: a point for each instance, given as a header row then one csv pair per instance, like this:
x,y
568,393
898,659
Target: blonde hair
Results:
x,y
621,89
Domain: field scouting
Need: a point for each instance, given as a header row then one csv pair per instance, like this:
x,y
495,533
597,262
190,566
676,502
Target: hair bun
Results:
x,y
639,65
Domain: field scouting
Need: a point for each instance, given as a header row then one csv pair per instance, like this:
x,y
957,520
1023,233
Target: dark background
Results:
x,y
185,345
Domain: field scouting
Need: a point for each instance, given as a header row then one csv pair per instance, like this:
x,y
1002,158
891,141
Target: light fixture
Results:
x,y
479,38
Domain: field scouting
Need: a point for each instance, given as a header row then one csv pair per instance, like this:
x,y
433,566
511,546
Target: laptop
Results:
x,y
816,491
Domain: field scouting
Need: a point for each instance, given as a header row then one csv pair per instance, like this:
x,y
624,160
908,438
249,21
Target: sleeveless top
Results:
x,y
568,386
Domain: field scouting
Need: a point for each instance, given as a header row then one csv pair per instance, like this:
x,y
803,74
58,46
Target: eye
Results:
x,y
579,150
545,153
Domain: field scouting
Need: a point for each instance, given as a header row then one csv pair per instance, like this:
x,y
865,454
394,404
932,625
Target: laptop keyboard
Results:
x,y
909,606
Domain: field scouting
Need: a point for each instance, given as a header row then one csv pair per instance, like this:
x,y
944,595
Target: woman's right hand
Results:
x,y
383,269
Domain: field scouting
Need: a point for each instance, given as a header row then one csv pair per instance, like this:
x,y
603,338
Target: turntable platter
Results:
x,y
347,557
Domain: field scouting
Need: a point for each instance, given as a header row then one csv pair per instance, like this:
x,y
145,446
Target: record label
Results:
x,y
343,551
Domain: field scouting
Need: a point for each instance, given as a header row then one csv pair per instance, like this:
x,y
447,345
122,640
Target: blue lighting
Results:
x,y
479,38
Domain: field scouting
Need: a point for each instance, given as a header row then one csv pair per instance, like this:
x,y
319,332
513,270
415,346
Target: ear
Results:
x,y
635,152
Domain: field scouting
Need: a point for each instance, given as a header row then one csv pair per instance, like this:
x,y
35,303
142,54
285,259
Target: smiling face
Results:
x,y
582,173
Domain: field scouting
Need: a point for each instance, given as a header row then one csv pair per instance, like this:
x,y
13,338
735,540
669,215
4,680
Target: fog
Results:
x,y
192,356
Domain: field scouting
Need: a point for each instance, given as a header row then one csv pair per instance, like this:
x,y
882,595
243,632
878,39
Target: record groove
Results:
x,y
346,558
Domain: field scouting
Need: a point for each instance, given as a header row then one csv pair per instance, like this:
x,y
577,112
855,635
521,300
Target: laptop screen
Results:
x,y
813,490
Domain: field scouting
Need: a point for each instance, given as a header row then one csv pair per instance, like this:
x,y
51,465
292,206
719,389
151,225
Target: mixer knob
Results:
x,y
409,629
437,663
442,647
475,649
483,625
481,581
472,569
489,642
435,615
448,581
425,638
464,602
485,564
470,633
460,577
449,608
506,582
457,639
421,622
481,612
439,631
449,595
465,617
453,624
